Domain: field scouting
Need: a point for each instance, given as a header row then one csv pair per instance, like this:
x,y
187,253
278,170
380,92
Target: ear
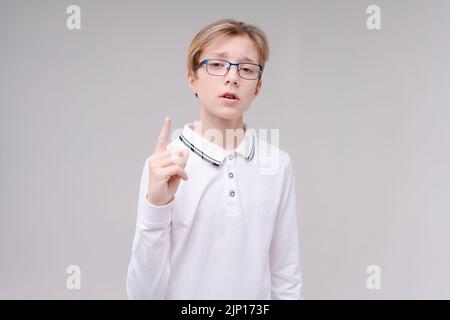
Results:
x,y
258,87
192,82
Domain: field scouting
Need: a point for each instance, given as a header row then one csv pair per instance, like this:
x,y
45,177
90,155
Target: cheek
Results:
x,y
207,87
250,92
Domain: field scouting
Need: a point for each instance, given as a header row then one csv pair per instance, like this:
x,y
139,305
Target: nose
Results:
x,y
232,76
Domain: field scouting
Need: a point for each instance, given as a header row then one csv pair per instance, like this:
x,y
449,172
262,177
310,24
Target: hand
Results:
x,y
166,169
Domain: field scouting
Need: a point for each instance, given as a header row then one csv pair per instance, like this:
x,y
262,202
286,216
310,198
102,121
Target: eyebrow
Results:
x,y
224,55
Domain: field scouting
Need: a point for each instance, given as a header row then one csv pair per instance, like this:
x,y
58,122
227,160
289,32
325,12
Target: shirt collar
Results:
x,y
211,152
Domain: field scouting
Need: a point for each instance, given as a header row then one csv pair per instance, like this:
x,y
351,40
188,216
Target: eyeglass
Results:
x,y
218,67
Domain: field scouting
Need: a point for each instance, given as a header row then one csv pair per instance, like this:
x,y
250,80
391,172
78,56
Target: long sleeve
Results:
x,y
149,268
284,249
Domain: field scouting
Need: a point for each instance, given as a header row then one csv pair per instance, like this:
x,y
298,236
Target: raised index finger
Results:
x,y
163,138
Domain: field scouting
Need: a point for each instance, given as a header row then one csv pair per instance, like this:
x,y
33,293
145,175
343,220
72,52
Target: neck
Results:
x,y
231,130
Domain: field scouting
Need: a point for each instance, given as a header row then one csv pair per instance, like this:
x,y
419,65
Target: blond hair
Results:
x,y
226,27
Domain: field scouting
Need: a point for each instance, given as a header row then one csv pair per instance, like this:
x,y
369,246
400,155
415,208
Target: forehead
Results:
x,y
237,47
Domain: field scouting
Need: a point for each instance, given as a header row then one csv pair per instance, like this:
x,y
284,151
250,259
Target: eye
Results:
x,y
216,64
250,70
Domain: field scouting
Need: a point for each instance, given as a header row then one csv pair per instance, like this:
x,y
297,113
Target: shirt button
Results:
x,y
231,175
230,157
232,193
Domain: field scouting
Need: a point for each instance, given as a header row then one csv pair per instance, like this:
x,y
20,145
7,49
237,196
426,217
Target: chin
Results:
x,y
228,113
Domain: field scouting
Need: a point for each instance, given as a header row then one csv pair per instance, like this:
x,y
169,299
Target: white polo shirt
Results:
x,y
230,232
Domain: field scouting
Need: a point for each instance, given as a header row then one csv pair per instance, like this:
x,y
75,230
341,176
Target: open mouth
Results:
x,y
229,96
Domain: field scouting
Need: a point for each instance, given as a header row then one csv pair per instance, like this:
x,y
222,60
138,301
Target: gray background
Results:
x,y
363,114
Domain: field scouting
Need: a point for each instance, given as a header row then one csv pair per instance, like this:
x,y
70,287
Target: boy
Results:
x,y
228,230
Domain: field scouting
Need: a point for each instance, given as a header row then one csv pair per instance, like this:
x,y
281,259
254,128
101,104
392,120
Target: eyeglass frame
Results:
x,y
205,62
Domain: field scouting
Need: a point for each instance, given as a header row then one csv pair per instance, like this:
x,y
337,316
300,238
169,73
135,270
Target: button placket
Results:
x,y
233,203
